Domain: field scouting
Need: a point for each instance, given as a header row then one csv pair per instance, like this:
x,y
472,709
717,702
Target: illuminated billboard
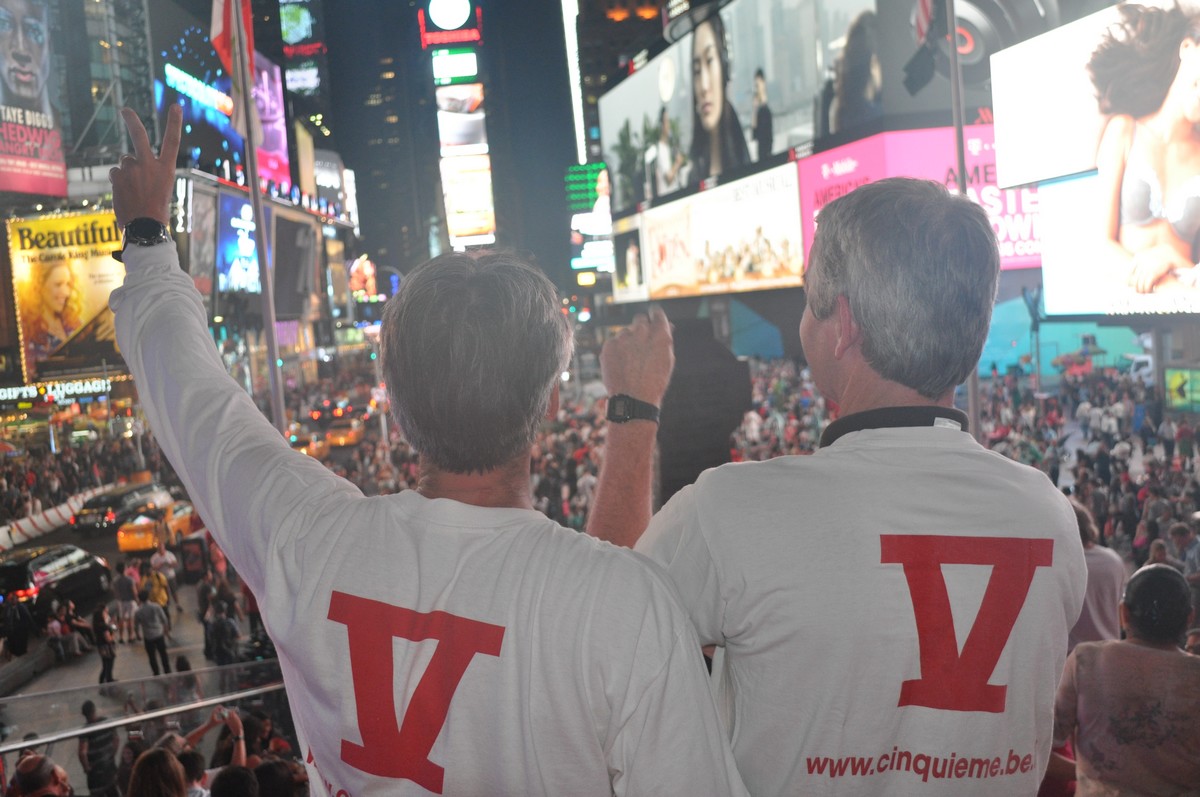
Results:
x,y
587,189
237,259
454,65
1183,389
202,238
724,100
929,154
1105,120
189,74
470,209
31,146
302,25
63,272
465,166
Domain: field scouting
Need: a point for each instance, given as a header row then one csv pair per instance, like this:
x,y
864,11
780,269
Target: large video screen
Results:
x,y
1183,389
629,275
929,154
237,258
31,145
202,238
1106,122
187,73
295,264
1047,108
735,90
739,237
588,199
302,25
466,166
63,272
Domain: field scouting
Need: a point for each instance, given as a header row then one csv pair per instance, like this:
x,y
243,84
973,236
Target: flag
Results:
x,y
224,36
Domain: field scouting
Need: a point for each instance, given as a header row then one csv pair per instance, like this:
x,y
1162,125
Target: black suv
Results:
x,y
44,576
107,511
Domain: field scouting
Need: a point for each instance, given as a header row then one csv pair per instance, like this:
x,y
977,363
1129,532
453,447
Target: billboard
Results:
x,y
739,237
302,25
1183,389
31,146
1106,123
237,260
629,276
202,238
295,265
1016,214
736,89
587,189
187,73
466,166
63,272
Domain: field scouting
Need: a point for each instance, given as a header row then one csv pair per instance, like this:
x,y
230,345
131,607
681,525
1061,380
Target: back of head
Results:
x,y
919,267
34,772
1087,526
275,779
1159,604
234,782
472,347
192,762
157,773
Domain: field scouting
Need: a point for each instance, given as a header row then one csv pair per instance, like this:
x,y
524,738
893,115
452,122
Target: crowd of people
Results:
x,y
249,758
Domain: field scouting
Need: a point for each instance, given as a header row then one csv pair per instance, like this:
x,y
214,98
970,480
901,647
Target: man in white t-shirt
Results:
x,y
893,609
165,562
449,639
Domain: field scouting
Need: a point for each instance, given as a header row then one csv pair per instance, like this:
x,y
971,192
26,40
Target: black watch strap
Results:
x,y
142,231
622,408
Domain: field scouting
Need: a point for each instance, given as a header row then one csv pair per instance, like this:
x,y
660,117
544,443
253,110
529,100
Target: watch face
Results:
x,y
147,230
618,407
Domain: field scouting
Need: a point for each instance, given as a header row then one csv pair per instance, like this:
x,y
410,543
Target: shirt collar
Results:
x,y
893,417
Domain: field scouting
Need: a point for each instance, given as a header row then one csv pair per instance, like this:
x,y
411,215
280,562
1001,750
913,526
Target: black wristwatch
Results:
x,y
142,231
622,408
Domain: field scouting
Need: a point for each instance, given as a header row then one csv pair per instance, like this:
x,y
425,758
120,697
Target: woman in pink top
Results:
x,y
1133,705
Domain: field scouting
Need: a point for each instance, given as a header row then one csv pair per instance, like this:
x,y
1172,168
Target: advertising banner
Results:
x,y
734,238
301,23
63,272
738,88
629,277
31,146
1183,389
928,154
587,188
187,73
237,260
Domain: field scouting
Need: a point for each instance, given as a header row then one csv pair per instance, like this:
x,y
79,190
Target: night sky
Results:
x,y
529,107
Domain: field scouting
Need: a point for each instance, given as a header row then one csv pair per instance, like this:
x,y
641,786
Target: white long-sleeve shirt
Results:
x,y
428,646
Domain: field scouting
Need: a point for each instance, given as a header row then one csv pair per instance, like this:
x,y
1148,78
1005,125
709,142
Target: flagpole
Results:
x,y
266,278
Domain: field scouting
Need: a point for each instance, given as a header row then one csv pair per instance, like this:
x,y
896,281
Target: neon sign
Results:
x,y
197,89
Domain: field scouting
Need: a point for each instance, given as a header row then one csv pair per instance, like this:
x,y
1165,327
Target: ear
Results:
x,y
849,333
552,409
1123,614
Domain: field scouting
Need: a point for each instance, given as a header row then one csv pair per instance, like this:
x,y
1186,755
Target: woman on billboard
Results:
x,y
1146,72
50,309
718,142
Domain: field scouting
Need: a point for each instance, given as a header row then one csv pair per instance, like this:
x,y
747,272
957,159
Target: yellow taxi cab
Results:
x,y
150,524
312,443
345,432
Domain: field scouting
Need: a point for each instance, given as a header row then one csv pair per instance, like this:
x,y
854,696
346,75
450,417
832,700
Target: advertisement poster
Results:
x,y
31,146
588,199
202,240
734,238
929,154
237,258
188,73
63,272
738,88
302,26
629,280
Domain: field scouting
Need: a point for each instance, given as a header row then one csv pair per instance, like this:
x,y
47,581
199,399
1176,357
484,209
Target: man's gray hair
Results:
x,y
919,267
472,348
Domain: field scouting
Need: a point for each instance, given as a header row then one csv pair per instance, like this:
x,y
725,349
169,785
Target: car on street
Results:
x,y
142,532
109,510
345,432
46,575
312,443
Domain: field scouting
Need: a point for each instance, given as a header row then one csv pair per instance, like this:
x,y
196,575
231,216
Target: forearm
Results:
x,y
622,506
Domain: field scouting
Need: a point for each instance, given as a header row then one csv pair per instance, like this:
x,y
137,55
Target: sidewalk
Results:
x,y
37,670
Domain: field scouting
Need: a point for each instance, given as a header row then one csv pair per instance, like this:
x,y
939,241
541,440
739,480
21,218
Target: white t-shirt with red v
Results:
x,y
894,612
